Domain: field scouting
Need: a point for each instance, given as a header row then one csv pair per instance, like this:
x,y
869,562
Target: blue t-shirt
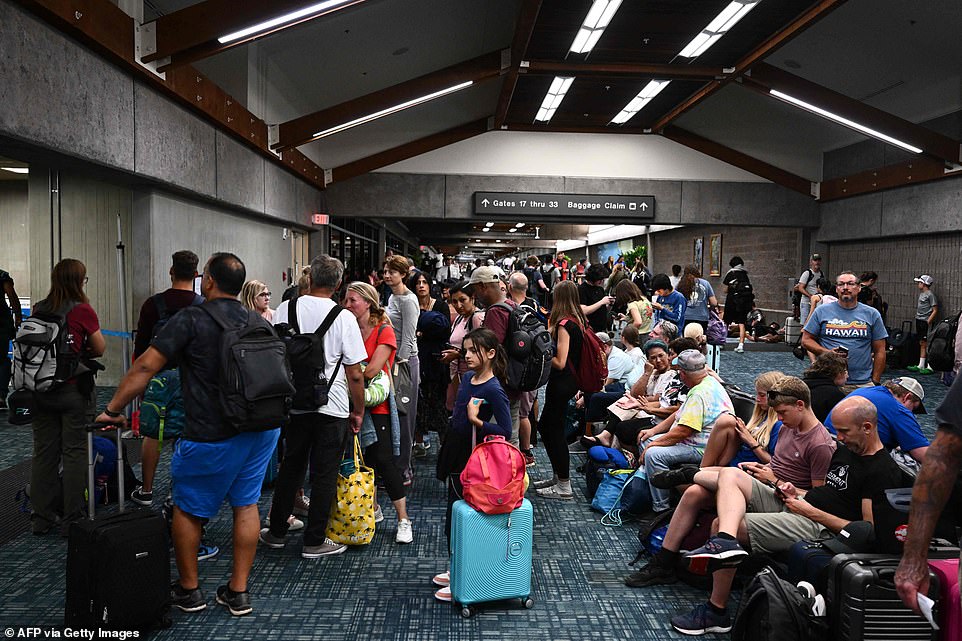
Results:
x,y
745,454
834,326
896,423
496,405
698,301
674,309
620,365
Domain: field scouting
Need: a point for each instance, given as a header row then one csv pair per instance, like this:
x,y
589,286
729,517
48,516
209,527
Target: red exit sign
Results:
x,y
320,219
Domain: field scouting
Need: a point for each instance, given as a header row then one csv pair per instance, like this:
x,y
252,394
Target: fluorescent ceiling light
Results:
x,y
718,27
600,14
512,230
391,110
312,10
556,93
486,229
844,121
488,224
519,225
638,103
17,170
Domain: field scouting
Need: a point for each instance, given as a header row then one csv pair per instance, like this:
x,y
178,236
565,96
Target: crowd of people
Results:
x,y
811,456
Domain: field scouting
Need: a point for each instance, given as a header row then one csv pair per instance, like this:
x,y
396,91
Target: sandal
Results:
x,y
589,442
554,492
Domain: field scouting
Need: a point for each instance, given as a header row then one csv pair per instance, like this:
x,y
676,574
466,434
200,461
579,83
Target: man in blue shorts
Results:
x,y
897,402
212,461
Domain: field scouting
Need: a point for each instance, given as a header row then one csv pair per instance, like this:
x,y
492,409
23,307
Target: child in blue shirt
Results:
x,y
670,305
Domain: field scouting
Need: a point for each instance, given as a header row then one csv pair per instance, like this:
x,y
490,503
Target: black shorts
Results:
x,y
921,329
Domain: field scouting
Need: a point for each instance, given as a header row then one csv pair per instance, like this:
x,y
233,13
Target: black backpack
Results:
x,y
773,609
797,295
308,361
529,349
255,377
941,352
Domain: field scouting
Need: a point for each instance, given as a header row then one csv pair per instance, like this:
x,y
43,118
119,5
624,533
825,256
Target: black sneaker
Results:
x,y
187,600
652,574
668,479
239,603
142,498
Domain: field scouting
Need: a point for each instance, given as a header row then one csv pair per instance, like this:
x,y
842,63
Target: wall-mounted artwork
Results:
x,y
698,253
714,255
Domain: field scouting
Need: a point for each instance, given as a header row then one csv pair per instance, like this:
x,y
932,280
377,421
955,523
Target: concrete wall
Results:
x,y
96,112
14,239
772,257
414,196
898,261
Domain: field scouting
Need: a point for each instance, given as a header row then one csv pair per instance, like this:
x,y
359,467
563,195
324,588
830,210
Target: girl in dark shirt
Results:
x,y
567,325
480,398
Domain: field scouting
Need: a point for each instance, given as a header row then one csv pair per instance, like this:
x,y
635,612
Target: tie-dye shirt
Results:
x,y
834,326
705,403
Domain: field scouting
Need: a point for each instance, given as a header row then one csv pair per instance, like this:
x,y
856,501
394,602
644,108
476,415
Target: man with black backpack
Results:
x,y
237,389
154,314
326,351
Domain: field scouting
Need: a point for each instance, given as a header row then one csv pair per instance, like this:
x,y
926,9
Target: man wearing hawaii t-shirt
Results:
x,y
852,328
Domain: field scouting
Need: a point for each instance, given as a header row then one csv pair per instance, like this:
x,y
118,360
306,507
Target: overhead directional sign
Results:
x,y
563,205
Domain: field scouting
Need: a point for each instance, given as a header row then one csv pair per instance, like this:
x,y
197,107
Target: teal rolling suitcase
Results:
x,y
491,556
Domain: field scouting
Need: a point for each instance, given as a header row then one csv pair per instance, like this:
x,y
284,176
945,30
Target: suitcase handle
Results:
x,y
92,460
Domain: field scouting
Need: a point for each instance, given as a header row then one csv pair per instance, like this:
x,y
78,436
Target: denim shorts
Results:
x,y
204,475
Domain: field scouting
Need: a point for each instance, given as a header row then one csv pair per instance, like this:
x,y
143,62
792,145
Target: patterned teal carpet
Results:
x,y
384,591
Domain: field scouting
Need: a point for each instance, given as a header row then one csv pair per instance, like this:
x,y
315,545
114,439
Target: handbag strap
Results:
x,y
358,454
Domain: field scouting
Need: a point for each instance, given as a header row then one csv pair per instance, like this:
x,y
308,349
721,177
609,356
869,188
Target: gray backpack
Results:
x,y
42,359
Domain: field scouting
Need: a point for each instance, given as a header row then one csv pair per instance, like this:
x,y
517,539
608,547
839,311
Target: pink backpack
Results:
x,y
495,478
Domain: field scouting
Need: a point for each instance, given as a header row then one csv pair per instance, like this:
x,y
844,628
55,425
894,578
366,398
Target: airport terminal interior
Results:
x,y
465,134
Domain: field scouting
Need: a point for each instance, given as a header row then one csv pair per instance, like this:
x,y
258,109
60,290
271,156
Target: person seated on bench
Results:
x,y
802,457
756,519
896,401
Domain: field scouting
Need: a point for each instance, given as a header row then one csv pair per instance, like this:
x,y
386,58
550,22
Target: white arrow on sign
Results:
x,y
484,202
644,206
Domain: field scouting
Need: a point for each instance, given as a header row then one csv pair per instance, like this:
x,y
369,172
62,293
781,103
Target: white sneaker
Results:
x,y
740,348
293,523
405,533
442,580
444,594
378,514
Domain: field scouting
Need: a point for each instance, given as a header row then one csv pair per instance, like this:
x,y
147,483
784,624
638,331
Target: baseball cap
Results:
x,y
915,387
925,279
603,337
816,257
484,274
691,360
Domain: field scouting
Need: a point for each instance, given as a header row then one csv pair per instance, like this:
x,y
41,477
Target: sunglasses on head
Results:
x,y
773,396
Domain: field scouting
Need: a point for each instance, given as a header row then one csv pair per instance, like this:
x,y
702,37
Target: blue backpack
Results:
x,y
162,411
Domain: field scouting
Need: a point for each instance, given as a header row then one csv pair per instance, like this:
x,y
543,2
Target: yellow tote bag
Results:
x,y
352,514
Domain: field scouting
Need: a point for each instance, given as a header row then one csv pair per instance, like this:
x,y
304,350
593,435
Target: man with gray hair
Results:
x,y
318,437
684,440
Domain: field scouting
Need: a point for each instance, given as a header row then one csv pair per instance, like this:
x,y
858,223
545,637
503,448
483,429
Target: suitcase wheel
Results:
x,y
466,611
529,603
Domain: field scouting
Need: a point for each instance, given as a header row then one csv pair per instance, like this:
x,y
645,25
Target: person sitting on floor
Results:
x,y
757,519
802,456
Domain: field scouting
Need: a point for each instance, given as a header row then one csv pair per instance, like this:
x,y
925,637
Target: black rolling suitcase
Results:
x,y
118,566
863,604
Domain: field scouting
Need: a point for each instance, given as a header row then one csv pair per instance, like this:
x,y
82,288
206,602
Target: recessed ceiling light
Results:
x,y
313,11
519,225
718,27
556,93
638,103
497,240
17,170
512,230
390,110
851,124
486,229
600,14
488,224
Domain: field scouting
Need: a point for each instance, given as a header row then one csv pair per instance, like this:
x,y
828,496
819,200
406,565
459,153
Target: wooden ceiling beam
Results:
x,y
911,172
621,70
303,129
410,150
522,36
814,13
740,160
765,78
191,34
527,126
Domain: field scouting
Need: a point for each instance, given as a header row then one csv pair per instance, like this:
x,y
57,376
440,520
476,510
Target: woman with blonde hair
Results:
x,y
362,300
567,325
255,296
